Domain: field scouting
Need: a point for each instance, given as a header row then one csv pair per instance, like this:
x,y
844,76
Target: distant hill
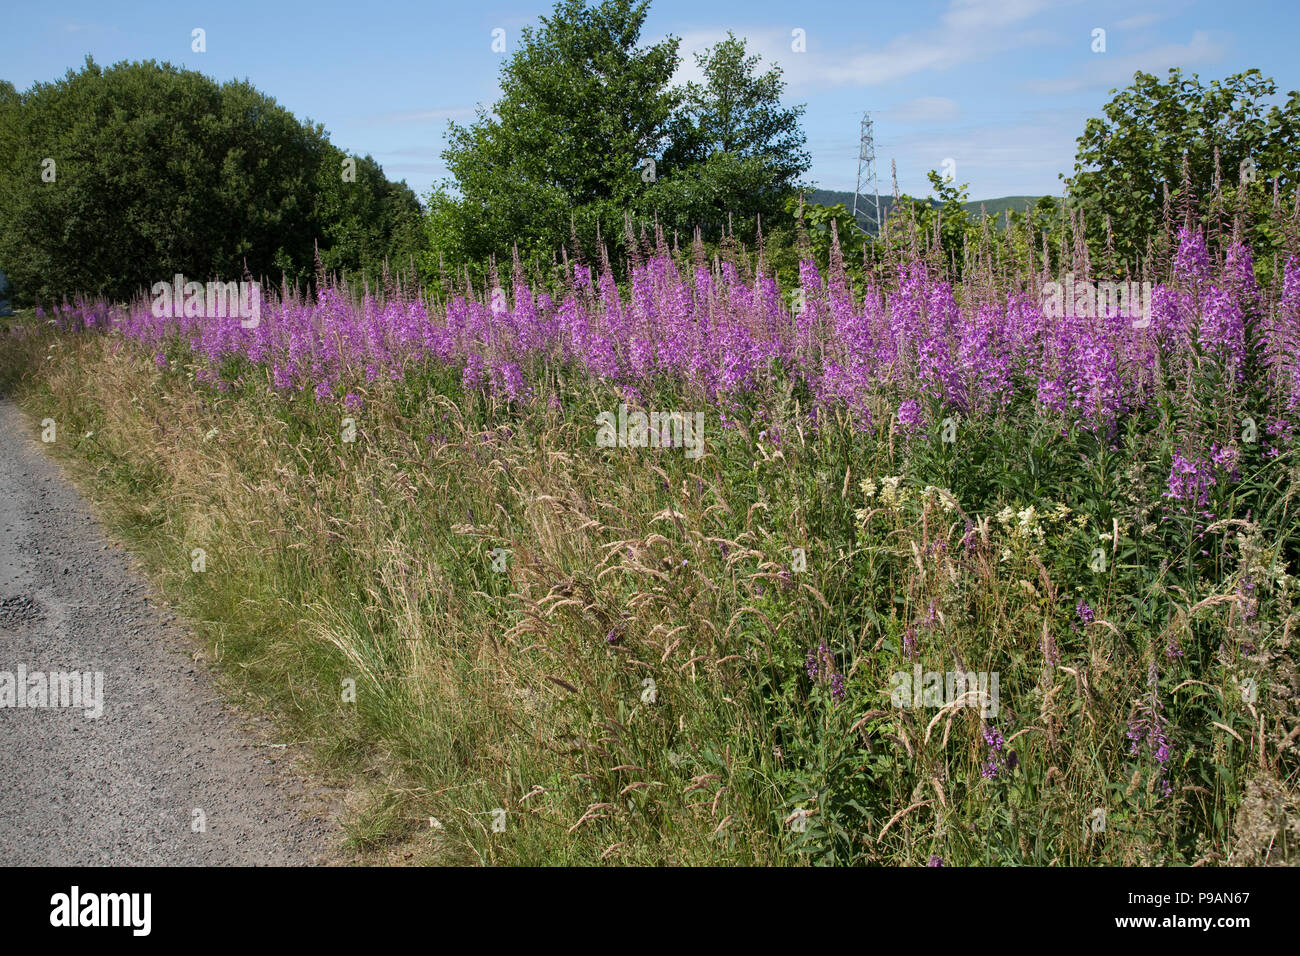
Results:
x,y
994,207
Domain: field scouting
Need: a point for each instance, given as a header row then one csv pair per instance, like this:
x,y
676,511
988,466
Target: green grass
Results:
x,y
330,562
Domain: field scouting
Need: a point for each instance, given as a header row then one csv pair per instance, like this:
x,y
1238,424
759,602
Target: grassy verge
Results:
x,y
566,654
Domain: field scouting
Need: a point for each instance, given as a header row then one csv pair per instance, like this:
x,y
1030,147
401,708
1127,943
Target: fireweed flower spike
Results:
x,y
995,762
709,328
1147,725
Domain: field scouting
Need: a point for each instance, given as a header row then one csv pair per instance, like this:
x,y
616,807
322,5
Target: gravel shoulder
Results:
x,y
133,785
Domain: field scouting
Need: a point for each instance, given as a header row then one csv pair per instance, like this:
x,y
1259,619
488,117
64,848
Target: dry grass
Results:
x,y
631,688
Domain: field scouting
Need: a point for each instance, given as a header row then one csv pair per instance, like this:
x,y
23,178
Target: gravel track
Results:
x,y
121,789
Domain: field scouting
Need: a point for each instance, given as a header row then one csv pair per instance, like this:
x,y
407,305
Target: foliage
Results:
x,y
1100,511
1191,140
589,132
157,170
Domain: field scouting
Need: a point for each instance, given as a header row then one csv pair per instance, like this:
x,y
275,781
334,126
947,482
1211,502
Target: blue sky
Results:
x,y
1000,87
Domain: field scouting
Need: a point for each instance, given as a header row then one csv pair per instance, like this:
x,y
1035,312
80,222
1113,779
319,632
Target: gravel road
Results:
x,y
123,788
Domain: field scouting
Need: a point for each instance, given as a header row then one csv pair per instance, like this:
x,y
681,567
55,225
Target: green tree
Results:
x,y
1127,158
366,220
582,106
151,170
734,152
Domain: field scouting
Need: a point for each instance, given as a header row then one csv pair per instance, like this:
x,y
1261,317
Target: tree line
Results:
x,y
111,178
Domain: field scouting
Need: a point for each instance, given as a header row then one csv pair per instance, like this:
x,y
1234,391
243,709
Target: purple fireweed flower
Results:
x,y
898,342
909,644
1190,481
1192,262
473,375
821,664
995,762
1146,727
1222,333
1226,459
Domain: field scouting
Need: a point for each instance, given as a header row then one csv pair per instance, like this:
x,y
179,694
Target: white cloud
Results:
x,y
968,30
1140,20
1107,71
964,16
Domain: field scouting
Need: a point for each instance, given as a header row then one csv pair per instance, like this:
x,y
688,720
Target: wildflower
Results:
x,y
837,686
1028,523
821,663
910,419
1190,481
995,763
909,643
1147,725
935,860
1085,612
1226,459
1246,591
889,493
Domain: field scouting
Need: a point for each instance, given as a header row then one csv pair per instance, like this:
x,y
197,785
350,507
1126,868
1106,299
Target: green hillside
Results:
x,y
994,207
